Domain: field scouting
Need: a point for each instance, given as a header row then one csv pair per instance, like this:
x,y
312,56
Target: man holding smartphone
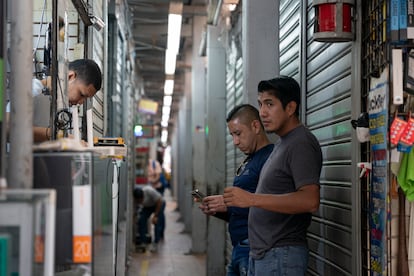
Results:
x,y
249,137
288,191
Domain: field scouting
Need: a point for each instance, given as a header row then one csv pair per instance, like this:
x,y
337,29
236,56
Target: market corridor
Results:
x,y
173,257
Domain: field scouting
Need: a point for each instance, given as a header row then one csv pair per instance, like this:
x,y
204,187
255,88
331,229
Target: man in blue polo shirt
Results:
x,y
249,137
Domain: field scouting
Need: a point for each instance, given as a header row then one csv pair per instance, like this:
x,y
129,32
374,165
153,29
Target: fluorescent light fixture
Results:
x,y
165,118
164,136
170,62
168,87
166,110
164,123
174,32
167,100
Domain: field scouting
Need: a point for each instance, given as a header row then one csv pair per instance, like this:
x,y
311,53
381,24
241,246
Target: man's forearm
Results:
x,y
158,207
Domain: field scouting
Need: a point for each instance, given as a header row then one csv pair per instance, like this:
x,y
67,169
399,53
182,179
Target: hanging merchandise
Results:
x,y
361,125
397,129
402,130
409,72
333,20
402,256
366,168
397,76
379,187
407,137
406,175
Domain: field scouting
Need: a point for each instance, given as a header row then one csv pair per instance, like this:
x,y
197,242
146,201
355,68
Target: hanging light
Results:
x,y
333,20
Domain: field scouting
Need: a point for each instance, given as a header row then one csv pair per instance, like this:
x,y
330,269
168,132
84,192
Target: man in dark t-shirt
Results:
x,y
288,188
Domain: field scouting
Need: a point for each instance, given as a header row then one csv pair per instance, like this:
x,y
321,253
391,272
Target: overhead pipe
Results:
x,y
20,172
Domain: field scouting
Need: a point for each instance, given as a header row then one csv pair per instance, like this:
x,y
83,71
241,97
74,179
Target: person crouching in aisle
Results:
x,y
150,202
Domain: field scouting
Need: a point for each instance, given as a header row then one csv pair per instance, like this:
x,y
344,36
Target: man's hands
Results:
x,y
154,219
212,204
234,196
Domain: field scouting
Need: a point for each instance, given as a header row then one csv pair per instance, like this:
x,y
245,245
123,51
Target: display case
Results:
x,y
87,186
70,174
27,231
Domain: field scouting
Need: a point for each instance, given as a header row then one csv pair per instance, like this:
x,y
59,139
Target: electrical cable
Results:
x,y
117,179
35,61
61,90
114,197
108,194
41,27
63,119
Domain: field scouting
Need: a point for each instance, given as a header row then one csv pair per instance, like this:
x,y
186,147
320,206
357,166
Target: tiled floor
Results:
x,y
173,257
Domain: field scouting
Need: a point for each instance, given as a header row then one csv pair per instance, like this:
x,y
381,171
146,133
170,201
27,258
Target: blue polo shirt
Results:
x,y
246,178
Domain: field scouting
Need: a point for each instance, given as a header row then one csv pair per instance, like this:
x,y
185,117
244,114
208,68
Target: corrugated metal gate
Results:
x,y
234,96
98,55
326,78
116,72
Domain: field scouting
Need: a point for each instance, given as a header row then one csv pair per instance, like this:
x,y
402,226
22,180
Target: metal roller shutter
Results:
x,y
326,78
234,93
98,55
116,73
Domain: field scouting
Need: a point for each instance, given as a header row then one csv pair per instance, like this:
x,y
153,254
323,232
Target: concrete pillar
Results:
x,y
20,173
3,123
198,123
216,126
260,47
188,155
184,161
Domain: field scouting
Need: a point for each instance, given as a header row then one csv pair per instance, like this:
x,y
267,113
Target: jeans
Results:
x,y
144,215
281,261
239,259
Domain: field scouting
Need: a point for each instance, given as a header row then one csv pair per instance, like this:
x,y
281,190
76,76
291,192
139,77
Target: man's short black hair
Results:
x,y
138,193
87,71
285,88
246,112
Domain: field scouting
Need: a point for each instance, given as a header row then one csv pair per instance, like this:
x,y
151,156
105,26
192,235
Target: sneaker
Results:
x,y
154,247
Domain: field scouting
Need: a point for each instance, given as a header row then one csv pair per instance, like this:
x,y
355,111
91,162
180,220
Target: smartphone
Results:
x,y
197,194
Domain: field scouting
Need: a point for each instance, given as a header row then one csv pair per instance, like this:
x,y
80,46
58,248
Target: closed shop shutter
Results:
x,y
234,94
116,79
97,43
326,111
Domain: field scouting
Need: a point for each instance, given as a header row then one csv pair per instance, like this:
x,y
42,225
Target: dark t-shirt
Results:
x,y
296,161
247,179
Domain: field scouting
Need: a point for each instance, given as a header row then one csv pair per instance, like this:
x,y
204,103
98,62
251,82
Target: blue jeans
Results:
x,y
144,215
239,259
281,261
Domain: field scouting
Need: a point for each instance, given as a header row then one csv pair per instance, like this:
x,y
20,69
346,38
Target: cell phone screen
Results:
x,y
197,194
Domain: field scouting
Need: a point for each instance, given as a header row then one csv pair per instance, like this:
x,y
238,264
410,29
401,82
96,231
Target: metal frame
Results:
x,y
18,208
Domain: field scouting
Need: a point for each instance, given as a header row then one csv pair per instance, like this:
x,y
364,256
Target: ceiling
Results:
x,y
149,25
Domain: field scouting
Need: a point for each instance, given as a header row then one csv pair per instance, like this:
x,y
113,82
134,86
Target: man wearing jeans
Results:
x,y
151,204
288,188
